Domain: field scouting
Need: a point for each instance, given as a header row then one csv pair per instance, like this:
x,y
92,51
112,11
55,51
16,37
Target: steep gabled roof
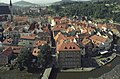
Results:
x,y
40,43
98,38
59,36
60,27
7,51
68,46
85,41
31,36
4,10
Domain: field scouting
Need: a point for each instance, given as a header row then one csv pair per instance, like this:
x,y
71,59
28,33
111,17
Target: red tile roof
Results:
x,y
68,46
8,41
19,18
59,36
36,52
60,27
7,51
16,49
85,41
98,39
40,43
31,36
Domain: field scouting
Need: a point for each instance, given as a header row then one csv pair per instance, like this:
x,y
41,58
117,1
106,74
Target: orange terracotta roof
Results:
x,y
19,18
7,51
36,52
98,39
8,41
69,29
16,49
59,36
68,46
31,36
40,43
60,27
90,29
46,30
57,20
70,38
103,25
84,30
85,41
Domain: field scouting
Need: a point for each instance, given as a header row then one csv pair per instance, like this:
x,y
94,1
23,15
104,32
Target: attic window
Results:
x,y
70,47
73,47
65,47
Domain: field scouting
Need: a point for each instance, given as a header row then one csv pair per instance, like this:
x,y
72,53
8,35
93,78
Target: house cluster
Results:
x,y
20,32
75,39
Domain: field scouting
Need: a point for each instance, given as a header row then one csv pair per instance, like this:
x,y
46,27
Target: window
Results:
x,y
30,43
73,47
65,47
70,47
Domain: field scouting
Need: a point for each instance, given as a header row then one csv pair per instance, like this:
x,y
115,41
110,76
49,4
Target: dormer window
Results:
x,y
73,47
70,47
65,47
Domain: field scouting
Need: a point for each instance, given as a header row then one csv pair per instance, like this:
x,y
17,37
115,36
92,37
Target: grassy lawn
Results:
x,y
16,74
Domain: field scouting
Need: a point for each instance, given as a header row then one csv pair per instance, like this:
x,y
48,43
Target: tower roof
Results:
x,y
10,3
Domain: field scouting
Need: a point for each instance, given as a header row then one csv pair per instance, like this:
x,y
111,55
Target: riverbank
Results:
x,y
106,60
92,74
16,74
100,62
78,70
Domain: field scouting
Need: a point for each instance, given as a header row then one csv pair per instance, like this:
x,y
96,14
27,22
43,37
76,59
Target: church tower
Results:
x,y
11,9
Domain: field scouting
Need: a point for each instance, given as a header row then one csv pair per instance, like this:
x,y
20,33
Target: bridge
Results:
x,y
46,73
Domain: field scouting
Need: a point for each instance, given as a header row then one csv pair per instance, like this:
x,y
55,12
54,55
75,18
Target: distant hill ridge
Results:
x,y
23,3
4,4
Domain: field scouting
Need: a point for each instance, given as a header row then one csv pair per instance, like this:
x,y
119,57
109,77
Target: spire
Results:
x,y
11,10
10,3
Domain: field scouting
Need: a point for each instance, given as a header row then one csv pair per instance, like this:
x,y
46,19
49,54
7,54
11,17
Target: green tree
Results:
x,y
24,57
45,56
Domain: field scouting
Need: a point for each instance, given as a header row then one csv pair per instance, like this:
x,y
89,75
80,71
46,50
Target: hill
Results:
x,y
24,4
111,1
4,4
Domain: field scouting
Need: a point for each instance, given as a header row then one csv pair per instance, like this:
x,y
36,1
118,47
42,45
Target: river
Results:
x,y
92,74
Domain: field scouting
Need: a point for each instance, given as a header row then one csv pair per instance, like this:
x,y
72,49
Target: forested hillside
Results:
x,y
106,9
